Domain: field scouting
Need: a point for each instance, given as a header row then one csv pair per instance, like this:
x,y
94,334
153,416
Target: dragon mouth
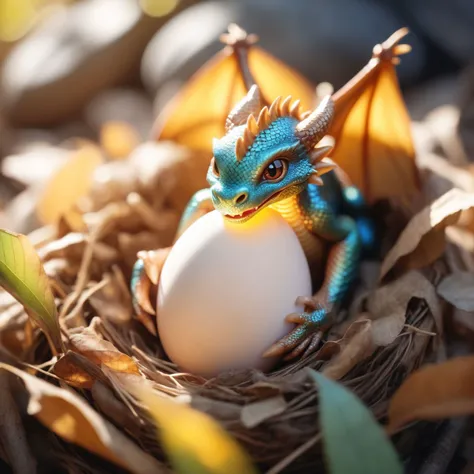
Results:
x,y
247,213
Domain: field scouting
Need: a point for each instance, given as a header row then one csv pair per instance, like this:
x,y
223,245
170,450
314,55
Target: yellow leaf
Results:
x,y
193,441
67,369
118,139
102,352
23,276
16,17
71,182
71,418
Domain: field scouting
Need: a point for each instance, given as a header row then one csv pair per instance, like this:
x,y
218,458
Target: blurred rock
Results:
x,y
20,214
422,99
9,188
466,119
125,105
326,41
34,165
78,51
448,24
435,108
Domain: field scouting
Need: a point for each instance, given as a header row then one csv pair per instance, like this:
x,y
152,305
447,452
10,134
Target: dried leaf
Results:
x,y
130,244
71,182
355,346
23,276
255,413
71,372
193,441
114,409
113,302
102,352
71,418
434,392
422,241
388,306
457,289
72,247
352,438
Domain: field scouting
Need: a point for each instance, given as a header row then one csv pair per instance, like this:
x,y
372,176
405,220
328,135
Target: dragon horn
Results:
x,y
311,129
249,105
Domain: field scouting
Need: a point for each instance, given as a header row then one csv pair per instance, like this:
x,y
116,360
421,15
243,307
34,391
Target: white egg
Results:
x,y
225,290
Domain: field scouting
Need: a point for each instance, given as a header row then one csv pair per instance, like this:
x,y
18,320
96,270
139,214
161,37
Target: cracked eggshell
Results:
x,y
225,290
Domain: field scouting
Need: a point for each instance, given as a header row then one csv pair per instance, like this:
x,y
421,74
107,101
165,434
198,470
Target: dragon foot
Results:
x,y
304,339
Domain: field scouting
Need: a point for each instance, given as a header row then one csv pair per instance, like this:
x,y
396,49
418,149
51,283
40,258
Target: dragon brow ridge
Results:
x,y
266,116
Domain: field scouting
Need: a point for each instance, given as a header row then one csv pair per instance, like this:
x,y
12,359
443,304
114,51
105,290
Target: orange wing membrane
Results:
x,y
371,127
197,113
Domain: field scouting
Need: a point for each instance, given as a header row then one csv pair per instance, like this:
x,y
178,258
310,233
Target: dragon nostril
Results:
x,y
241,198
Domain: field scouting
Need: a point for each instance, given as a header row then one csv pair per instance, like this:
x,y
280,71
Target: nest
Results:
x,y
383,335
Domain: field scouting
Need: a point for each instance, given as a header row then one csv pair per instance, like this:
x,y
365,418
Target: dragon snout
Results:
x,y
236,198
241,197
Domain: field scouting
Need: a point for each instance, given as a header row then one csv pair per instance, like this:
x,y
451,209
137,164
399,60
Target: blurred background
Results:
x,y
101,70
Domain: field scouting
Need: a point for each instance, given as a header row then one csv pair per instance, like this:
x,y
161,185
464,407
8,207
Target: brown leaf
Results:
x,y
72,246
434,392
113,301
422,241
458,289
71,418
255,413
116,410
355,346
102,352
129,244
463,324
70,368
388,306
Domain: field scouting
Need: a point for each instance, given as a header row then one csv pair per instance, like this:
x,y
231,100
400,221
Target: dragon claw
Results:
x,y
296,318
306,301
298,350
390,49
305,337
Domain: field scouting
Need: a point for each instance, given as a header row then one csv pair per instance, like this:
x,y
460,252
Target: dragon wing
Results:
x,y
197,113
371,127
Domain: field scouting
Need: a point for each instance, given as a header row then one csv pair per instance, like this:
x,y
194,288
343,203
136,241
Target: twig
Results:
x,y
294,455
443,451
12,433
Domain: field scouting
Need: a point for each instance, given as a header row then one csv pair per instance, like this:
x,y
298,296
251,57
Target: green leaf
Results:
x,y
354,442
23,276
193,441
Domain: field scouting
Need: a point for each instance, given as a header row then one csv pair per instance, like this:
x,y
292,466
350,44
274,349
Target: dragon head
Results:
x,y
268,154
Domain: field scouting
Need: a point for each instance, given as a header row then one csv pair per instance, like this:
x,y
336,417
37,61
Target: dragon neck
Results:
x,y
290,209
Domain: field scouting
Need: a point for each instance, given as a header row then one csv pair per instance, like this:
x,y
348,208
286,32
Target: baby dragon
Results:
x,y
269,157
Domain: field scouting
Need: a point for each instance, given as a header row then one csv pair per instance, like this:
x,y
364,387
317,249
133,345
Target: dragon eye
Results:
x,y
215,168
275,171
